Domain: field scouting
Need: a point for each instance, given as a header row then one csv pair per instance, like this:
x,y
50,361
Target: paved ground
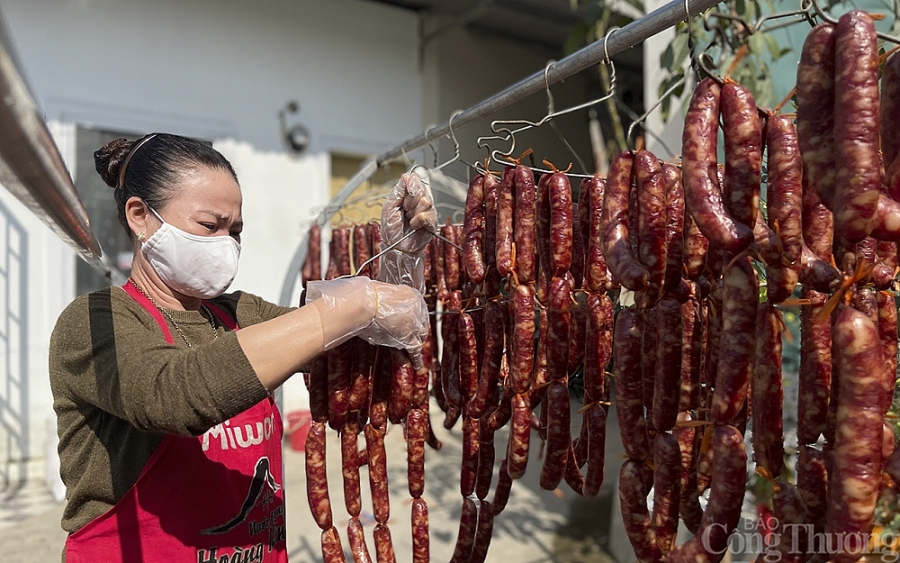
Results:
x,y
537,526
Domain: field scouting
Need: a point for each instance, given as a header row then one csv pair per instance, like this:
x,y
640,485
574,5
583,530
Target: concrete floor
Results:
x,y
537,526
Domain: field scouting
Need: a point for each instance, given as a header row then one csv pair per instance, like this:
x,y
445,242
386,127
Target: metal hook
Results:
x,y
647,113
452,136
550,106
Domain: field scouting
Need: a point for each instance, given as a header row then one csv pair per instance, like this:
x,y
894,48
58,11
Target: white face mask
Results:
x,y
201,267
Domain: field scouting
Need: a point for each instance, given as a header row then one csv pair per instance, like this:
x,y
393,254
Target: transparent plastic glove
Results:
x,y
408,208
381,313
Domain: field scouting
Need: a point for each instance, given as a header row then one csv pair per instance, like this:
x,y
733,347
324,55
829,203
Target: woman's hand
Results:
x,y
409,208
383,314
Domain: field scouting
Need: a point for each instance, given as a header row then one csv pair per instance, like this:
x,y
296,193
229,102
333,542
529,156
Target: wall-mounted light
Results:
x,y
296,137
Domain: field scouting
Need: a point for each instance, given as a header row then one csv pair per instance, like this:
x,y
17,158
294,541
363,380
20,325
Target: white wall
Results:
x,y
218,69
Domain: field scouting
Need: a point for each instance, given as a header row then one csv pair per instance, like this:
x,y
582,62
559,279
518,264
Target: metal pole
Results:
x,y
621,39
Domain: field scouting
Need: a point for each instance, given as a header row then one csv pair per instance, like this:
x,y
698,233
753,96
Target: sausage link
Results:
x,y
651,223
579,244
403,385
595,271
856,475
649,321
817,225
667,383
485,461
339,384
865,302
318,388
451,257
468,356
473,226
501,493
887,330
350,468
790,517
341,239
629,403
675,223
525,226
545,271
704,461
890,105
812,484
384,547
362,360
314,253
558,319
560,194
416,423
470,442
362,252
541,375
558,438
452,415
743,153
573,476
450,361
885,265
483,532
598,347
689,500
468,520
691,351
784,194
519,437
816,110
505,220
666,490
498,417
858,176
521,348
373,230
332,552
723,511
378,483
696,246
767,395
625,268
595,421
702,190
816,273
357,539
317,477
577,332
737,343
633,491
420,539
486,393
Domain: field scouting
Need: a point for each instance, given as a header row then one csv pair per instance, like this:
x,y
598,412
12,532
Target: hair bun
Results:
x,y
108,160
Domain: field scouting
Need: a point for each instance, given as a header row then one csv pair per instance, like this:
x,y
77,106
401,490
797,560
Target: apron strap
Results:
x,y
142,300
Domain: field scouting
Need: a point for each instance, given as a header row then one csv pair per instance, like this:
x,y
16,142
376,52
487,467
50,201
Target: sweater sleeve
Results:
x,y
107,352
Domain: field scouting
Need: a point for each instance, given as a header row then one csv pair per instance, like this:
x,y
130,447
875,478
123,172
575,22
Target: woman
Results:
x,y
170,443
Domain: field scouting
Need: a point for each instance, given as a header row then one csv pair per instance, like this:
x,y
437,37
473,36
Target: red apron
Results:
x,y
215,498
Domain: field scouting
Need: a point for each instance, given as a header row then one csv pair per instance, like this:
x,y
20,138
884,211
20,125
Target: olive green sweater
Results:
x,y
118,387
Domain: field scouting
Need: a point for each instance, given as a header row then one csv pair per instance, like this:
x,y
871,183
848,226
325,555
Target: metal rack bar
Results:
x,y
624,38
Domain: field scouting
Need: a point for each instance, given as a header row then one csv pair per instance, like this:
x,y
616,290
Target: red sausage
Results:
x,y
519,437
695,248
339,384
666,490
373,230
403,386
314,253
675,255
378,483
468,356
361,251
521,348
767,394
382,380
332,552
667,384
340,237
812,484
486,394
357,539
784,196
890,106
743,153
362,360
651,223
625,268
469,467
649,320
545,271
384,547
525,227
723,511
317,477
577,331
485,461
691,351
857,173
451,257
629,403
466,536
318,388
855,479
505,219
558,319
560,194
633,490
598,347
689,503
501,493
701,187
737,342
595,272
350,468
420,537
595,420
816,110
887,330
416,423
558,438
473,247
450,351
483,532
790,516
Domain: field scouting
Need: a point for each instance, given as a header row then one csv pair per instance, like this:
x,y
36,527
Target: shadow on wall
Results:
x,y
15,448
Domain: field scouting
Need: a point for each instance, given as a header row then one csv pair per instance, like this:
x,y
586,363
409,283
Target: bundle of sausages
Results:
x,y
522,294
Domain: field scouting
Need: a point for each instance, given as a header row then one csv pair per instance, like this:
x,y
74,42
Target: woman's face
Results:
x,y
206,202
